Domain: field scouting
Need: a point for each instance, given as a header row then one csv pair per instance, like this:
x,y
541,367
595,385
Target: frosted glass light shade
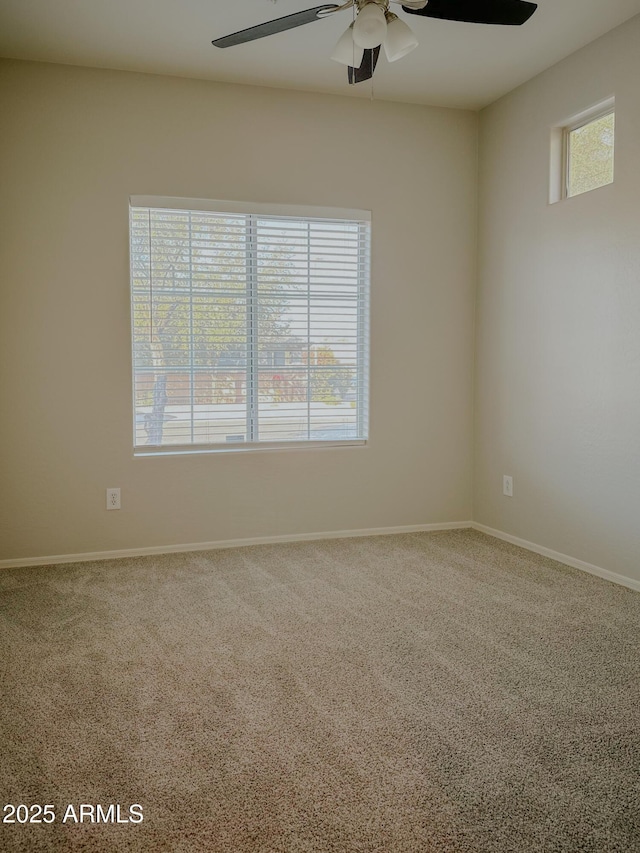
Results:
x,y
347,51
399,41
370,27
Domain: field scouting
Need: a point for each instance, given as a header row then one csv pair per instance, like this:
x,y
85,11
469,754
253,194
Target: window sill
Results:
x,y
243,447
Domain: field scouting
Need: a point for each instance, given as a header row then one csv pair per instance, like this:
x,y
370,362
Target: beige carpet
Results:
x,y
424,692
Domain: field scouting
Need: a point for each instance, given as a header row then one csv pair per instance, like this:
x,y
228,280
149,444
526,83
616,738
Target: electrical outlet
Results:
x,y
507,486
113,498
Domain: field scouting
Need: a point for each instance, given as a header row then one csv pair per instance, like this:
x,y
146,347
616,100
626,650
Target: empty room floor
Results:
x,y
420,692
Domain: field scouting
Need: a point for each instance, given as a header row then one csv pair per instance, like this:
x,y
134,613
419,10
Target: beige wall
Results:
x,y
74,144
558,320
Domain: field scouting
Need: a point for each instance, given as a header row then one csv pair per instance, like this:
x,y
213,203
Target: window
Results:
x,y
590,154
250,325
585,147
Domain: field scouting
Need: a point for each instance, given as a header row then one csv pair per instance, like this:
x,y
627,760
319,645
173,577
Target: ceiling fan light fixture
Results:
x,y
370,27
347,51
400,39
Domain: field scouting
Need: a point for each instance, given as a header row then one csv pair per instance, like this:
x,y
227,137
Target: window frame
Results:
x,y
561,149
257,210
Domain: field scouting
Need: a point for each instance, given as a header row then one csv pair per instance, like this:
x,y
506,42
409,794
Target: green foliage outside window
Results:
x,y
590,155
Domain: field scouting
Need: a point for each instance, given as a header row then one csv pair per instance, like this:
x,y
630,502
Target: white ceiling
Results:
x,y
457,65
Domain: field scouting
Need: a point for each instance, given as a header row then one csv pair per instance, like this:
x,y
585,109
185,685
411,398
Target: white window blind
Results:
x,y
250,325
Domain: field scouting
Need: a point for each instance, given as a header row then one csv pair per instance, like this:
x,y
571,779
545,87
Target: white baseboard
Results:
x,y
328,534
558,557
229,543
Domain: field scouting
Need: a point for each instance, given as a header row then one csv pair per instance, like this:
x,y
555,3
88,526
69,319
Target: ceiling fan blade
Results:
x,y
367,66
509,12
279,25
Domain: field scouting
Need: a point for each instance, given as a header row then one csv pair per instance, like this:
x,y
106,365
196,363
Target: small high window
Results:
x,y
583,152
590,155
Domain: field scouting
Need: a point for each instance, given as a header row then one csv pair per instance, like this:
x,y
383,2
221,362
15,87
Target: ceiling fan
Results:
x,y
374,25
